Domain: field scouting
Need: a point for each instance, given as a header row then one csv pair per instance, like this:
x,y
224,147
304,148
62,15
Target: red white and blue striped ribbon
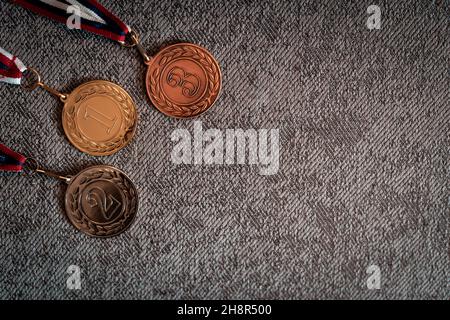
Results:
x,y
11,68
10,160
93,16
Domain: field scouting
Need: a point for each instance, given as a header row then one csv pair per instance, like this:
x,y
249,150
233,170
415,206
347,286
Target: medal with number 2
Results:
x,y
100,201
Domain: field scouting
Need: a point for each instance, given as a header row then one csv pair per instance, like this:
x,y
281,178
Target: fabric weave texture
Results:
x,y
363,117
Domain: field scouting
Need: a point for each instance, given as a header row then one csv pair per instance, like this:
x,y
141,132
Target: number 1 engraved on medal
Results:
x,y
189,82
96,197
99,118
108,122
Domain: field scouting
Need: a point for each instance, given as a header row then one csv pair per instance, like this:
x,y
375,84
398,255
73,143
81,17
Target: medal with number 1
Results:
x,y
99,117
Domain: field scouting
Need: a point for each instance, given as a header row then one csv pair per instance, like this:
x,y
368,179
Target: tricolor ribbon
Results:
x,y
11,68
92,15
10,160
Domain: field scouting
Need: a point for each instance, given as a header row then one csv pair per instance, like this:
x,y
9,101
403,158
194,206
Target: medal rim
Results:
x,y
67,194
81,148
149,70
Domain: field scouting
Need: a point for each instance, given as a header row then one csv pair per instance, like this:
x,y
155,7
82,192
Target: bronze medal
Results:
x,y
183,80
99,117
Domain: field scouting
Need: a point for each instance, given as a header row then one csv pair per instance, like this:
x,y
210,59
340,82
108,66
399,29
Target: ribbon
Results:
x,y
11,68
93,16
10,160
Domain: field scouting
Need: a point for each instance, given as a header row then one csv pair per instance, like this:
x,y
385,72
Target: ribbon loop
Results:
x,y
93,17
10,160
11,68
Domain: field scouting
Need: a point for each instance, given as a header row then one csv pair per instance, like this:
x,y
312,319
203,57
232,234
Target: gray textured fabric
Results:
x,y
364,133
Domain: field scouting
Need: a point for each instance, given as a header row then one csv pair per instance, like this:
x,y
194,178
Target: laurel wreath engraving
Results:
x,y
128,111
213,89
90,227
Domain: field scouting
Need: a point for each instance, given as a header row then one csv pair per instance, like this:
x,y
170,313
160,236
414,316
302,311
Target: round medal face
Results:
x,y
183,80
99,118
101,201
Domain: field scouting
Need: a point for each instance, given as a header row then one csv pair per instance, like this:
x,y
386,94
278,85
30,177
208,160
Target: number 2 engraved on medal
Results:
x,y
96,197
189,82
101,118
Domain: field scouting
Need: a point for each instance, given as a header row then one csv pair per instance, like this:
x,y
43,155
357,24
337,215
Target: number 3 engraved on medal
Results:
x,y
104,120
189,82
96,197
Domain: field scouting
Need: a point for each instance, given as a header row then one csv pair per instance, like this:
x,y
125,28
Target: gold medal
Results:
x,y
99,117
183,80
100,201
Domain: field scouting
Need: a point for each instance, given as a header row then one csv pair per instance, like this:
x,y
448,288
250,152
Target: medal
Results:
x,y
99,117
182,80
100,201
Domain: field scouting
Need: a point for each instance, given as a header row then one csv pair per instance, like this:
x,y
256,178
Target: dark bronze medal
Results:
x,y
100,201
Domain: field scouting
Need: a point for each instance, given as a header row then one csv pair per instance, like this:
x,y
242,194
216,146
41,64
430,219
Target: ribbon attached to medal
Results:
x,y
93,16
10,160
182,81
11,68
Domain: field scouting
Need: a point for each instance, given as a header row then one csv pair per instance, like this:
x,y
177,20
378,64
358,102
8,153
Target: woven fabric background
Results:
x,y
364,148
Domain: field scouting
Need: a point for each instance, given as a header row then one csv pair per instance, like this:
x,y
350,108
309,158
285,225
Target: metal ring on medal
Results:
x,y
101,201
183,80
99,118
